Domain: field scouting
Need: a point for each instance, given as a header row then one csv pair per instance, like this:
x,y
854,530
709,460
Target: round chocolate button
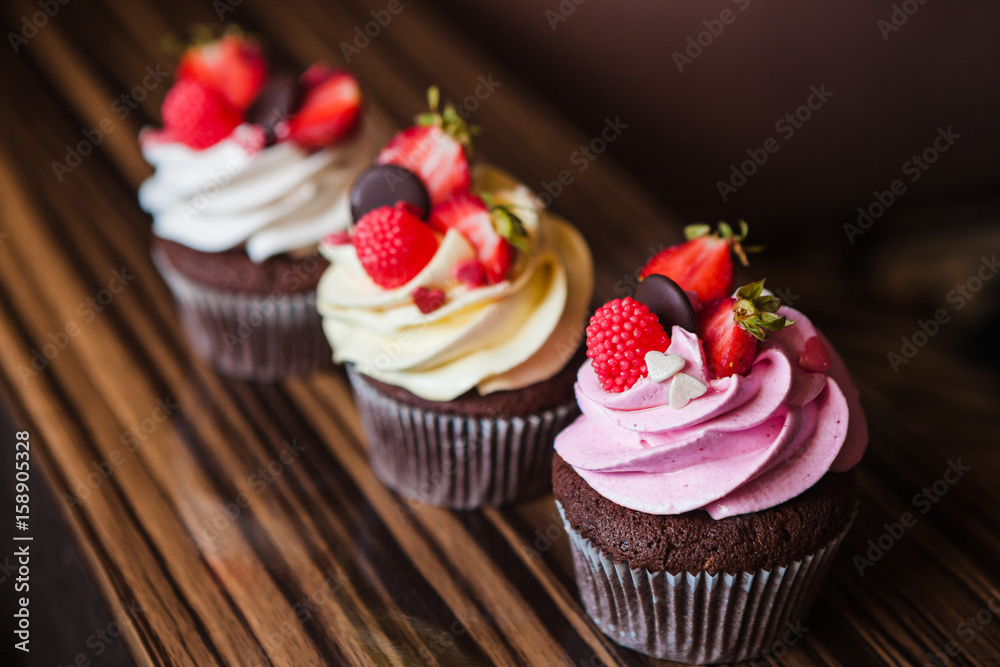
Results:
x,y
276,101
386,185
667,301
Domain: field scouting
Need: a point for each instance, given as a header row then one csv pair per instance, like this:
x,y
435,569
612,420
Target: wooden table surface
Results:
x,y
240,524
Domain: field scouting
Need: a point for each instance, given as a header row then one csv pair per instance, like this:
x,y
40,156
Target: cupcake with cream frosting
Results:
x,y
457,302
708,481
252,170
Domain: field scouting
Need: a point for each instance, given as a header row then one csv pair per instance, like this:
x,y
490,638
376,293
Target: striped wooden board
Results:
x,y
242,521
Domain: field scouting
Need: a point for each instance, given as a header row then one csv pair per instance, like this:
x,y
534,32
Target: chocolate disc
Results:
x,y
276,101
667,301
386,185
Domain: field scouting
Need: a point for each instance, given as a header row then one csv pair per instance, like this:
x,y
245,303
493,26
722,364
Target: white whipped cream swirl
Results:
x,y
277,200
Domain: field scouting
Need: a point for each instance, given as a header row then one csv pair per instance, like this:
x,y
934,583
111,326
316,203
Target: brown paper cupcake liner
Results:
x,y
697,618
261,338
448,460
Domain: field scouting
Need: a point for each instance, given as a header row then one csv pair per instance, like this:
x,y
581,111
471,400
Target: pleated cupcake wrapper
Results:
x,y
698,618
261,338
461,462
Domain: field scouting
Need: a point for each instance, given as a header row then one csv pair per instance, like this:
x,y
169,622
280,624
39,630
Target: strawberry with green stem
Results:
x,y
703,264
731,328
437,150
233,65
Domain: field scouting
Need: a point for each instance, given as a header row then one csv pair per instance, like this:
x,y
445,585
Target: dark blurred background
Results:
x,y
701,84
893,85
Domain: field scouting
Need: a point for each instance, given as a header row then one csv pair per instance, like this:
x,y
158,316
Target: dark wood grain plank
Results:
x,y
323,565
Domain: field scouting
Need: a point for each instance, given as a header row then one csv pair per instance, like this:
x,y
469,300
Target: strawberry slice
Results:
x,y
702,264
469,272
433,155
437,150
731,327
470,216
330,109
233,65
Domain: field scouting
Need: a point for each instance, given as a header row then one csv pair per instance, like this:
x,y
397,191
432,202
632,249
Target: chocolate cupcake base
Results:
x,y
260,337
696,618
462,461
694,589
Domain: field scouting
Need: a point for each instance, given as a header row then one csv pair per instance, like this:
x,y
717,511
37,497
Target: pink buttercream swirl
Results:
x,y
749,443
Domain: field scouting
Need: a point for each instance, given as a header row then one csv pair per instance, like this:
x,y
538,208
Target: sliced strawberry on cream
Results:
x,y
330,108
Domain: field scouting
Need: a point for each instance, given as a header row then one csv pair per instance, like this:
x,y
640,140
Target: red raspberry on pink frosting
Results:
x,y
620,334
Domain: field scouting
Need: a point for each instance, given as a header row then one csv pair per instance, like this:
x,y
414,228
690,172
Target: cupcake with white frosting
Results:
x,y
251,172
458,303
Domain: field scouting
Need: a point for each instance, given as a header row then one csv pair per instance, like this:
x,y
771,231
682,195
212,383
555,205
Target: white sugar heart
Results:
x,y
683,388
661,366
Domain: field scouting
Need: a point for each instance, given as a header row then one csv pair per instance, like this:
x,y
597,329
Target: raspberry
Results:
x,y
620,334
198,116
393,245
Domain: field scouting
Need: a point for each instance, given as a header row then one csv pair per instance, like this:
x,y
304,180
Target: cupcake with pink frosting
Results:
x,y
708,482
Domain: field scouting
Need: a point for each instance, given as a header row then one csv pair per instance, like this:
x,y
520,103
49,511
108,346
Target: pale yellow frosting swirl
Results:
x,y
516,333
